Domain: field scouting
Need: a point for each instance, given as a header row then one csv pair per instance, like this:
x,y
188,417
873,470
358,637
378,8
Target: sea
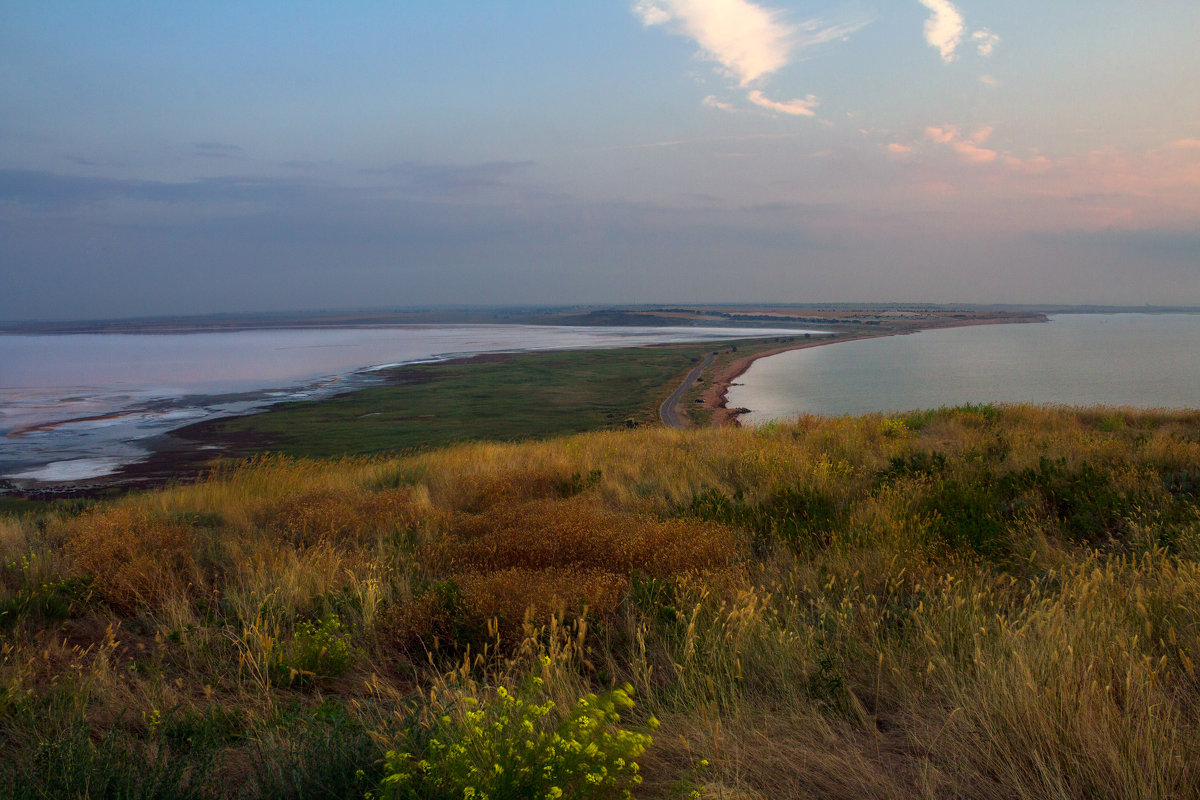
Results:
x,y
1138,360
74,407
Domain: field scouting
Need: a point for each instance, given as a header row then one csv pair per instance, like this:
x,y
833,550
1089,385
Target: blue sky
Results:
x,y
198,157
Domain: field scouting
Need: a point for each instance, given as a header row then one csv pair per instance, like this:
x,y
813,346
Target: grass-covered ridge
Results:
x,y
982,602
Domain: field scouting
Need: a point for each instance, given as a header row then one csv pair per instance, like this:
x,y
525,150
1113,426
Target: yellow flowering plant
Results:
x,y
513,746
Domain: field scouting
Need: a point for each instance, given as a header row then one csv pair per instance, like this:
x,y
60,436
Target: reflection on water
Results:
x,y
78,406
1143,360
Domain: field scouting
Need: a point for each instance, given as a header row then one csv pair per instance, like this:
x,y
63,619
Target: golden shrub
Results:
x,y
136,560
545,534
476,492
509,594
340,515
414,620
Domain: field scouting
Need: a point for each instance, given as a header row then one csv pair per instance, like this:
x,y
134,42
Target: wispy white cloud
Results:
x,y
989,81
985,41
944,28
651,14
799,107
748,42
813,32
712,101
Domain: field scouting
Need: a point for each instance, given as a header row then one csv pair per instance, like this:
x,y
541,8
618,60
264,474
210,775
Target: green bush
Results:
x,y
319,649
510,748
798,516
966,514
44,603
64,760
1088,501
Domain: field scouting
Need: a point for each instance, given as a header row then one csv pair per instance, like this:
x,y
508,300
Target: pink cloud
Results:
x,y
969,148
982,134
1001,190
975,154
941,135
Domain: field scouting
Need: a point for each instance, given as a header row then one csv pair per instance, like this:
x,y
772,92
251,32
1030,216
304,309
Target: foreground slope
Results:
x,y
979,602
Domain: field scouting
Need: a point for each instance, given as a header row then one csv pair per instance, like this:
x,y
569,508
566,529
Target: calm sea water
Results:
x,y
1143,360
74,407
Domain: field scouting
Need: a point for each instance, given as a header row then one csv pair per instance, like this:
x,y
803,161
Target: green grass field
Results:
x,y
496,398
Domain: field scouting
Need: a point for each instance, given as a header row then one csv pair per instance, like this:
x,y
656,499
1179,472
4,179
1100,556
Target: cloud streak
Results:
x,y
216,150
51,191
798,107
455,177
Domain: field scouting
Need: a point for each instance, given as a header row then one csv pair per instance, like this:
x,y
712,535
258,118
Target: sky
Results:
x,y
187,157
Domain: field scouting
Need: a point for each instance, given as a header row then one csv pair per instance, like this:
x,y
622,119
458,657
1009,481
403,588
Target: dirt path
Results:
x,y
669,410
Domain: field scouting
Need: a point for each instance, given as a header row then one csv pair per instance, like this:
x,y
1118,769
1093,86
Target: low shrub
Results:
x,y
1090,502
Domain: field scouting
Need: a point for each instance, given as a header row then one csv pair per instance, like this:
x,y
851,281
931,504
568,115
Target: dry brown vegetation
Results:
x,y
982,602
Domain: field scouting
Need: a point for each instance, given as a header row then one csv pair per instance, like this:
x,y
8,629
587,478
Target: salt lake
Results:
x,y
1140,360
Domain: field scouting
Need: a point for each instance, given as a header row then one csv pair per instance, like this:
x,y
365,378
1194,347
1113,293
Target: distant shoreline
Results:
x,y
183,453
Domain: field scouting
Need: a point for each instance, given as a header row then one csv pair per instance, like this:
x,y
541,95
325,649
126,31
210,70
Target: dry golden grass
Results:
x,y
574,533
974,603
343,516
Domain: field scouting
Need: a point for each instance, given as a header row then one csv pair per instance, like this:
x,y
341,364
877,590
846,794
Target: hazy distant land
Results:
x,y
893,315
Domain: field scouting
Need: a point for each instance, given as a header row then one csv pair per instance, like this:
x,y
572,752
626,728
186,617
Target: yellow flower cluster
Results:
x,y
513,745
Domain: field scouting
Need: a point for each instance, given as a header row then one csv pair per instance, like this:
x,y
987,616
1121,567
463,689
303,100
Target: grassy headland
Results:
x,y
496,397
980,602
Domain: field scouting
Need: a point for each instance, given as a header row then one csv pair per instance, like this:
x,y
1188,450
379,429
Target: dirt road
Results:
x,y
669,411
